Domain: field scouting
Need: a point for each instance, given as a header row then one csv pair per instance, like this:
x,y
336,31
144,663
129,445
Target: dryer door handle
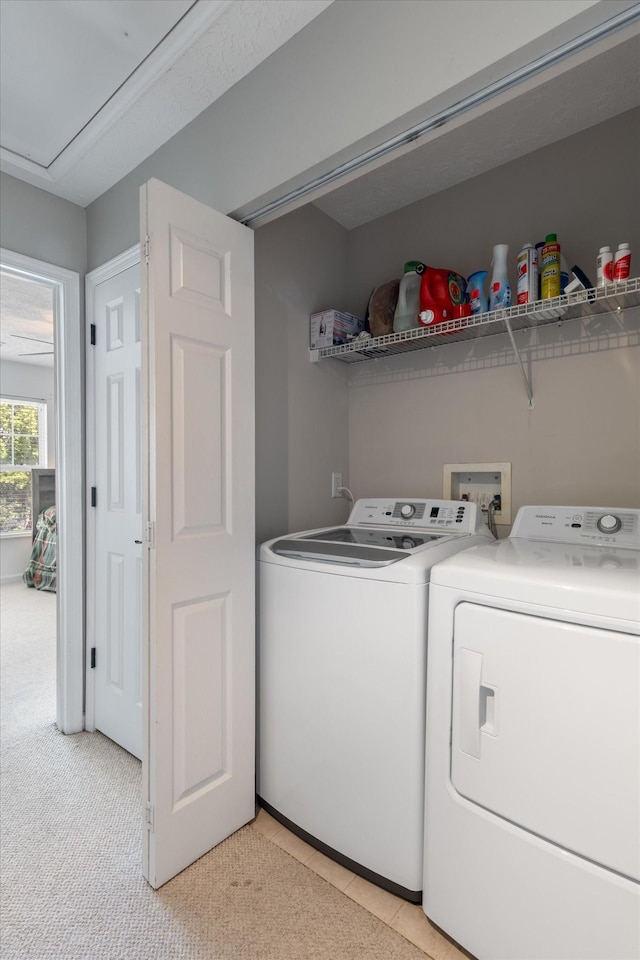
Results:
x,y
475,703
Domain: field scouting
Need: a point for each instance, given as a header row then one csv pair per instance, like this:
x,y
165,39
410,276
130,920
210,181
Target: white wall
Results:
x,y
30,382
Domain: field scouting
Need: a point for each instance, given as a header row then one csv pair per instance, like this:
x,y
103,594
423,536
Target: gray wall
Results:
x,y
584,188
301,408
395,423
39,225
268,132
358,73
465,402
298,113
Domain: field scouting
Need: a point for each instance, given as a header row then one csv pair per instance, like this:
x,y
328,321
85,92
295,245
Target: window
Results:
x,y
23,445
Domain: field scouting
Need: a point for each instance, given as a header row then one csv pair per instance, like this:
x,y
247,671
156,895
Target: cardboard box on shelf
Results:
x,y
328,327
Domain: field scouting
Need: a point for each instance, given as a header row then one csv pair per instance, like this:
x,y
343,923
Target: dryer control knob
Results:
x,y
609,523
407,510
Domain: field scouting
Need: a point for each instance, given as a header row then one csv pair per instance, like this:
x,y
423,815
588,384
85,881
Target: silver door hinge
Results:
x,y
148,816
150,534
145,253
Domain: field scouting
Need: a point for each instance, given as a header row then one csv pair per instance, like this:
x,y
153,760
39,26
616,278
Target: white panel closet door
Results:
x,y
117,588
198,494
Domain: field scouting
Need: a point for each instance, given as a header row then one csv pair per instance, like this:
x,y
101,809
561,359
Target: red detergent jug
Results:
x,y
442,297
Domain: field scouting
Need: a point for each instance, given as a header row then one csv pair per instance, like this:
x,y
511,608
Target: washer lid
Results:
x,y
343,553
356,546
391,539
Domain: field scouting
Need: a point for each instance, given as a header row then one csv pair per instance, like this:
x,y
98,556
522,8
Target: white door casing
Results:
x,y
114,528
69,482
198,499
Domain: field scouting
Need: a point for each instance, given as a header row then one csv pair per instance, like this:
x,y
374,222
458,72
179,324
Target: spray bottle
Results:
x,y
551,267
500,293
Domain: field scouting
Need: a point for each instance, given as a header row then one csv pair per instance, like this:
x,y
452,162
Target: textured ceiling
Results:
x,y
26,320
579,94
140,80
108,47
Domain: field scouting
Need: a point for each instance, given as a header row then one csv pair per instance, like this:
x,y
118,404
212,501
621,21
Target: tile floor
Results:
x,y
406,918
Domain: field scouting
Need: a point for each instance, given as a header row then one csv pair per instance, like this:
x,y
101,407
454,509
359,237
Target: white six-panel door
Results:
x,y
198,499
114,562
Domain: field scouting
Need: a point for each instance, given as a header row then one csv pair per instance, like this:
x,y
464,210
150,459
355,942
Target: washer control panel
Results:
x,y
595,525
447,516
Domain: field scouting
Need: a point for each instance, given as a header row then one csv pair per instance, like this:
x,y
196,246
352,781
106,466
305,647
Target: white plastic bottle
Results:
x,y
527,274
604,266
622,262
408,306
500,291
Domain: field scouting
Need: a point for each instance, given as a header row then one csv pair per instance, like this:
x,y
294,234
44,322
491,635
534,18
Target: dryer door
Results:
x,y
545,729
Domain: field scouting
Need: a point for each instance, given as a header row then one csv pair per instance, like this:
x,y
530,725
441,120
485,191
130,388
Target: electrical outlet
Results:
x,y
336,484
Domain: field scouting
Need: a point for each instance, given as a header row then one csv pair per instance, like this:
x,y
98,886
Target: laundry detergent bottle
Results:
x,y
500,291
408,306
476,296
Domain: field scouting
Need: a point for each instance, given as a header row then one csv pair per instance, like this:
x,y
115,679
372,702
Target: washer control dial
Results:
x,y
407,510
609,523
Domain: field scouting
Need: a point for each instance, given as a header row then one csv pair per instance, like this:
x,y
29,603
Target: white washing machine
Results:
x,y
342,660
532,805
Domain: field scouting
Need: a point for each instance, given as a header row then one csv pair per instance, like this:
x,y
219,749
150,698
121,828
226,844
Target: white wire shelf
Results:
x,y
583,303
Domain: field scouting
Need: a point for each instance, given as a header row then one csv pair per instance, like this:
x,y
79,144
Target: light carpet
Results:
x,y
72,887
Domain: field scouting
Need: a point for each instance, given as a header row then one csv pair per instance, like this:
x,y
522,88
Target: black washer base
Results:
x,y
412,896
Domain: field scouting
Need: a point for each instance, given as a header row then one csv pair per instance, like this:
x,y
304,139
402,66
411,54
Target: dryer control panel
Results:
x,y
445,516
596,525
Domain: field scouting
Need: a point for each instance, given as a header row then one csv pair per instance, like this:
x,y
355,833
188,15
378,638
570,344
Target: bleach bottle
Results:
x,y
408,306
500,292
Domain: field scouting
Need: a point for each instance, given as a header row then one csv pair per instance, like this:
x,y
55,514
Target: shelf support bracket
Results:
x,y
527,384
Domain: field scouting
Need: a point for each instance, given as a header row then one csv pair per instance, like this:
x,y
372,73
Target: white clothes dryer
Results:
x,y
341,693
532,805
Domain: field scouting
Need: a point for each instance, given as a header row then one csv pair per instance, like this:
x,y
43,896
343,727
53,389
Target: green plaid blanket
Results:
x,y
41,569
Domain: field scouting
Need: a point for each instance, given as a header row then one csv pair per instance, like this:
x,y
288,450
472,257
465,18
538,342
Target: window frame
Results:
x,y
13,467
